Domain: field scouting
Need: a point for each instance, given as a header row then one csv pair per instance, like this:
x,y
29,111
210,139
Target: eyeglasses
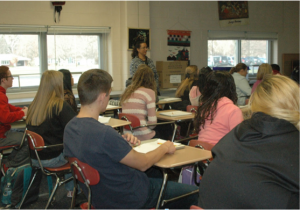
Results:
x,y
10,76
143,48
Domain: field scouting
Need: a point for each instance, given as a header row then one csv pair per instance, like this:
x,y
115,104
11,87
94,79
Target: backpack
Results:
x,y
19,179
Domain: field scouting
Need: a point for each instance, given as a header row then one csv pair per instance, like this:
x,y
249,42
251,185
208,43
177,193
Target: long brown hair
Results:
x,y
219,84
50,94
143,77
191,75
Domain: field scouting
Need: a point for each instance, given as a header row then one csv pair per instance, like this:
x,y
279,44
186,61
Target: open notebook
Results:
x,y
147,147
175,113
103,119
169,99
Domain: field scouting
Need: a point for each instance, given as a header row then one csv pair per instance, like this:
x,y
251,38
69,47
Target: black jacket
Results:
x,y
256,165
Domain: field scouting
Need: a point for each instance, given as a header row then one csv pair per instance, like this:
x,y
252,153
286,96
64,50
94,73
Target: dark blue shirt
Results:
x,y
103,148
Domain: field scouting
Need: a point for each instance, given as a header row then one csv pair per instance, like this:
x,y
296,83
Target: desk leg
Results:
x,y
174,132
162,190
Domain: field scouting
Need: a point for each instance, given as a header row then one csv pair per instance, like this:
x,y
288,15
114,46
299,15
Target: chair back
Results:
x,y
191,108
135,121
35,140
201,144
83,172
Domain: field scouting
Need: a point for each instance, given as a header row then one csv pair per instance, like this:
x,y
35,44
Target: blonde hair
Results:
x,y
143,77
50,94
263,70
191,75
277,96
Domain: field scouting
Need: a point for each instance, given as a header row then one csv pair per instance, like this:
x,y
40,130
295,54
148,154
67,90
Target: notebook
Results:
x,y
110,106
103,119
147,147
175,113
169,99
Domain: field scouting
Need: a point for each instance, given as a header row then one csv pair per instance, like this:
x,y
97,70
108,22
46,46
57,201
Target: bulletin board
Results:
x,y
288,62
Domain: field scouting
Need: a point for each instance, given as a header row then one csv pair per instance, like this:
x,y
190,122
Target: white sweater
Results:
x,y
243,88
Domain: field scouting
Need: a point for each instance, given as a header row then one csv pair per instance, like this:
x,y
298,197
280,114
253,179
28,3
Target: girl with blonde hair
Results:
x,y
260,155
263,70
139,99
47,116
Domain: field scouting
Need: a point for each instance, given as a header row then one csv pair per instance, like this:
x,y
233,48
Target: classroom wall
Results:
x,y
197,16
200,16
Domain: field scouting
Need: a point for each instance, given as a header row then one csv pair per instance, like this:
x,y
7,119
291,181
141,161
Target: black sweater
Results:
x,y
52,130
256,165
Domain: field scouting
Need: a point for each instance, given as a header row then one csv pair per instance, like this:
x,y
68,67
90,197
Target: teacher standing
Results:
x,y
139,57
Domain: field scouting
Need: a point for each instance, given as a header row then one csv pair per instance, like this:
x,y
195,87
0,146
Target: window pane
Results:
x,y
76,53
222,53
21,54
254,53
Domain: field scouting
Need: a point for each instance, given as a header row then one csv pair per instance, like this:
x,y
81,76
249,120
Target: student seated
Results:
x,y
275,69
8,115
123,183
139,99
263,71
68,93
217,113
256,165
243,89
48,114
195,92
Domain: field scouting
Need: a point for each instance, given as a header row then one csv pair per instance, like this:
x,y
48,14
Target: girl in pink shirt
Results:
x,y
217,114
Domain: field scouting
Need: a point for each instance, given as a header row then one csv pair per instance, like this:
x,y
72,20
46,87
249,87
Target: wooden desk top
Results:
x,y
175,118
111,107
117,123
161,101
185,156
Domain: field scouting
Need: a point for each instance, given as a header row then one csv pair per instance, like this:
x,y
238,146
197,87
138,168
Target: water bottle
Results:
x,y
7,194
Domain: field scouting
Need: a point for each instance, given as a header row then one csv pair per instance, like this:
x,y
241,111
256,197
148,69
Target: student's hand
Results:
x,y
171,147
25,109
131,139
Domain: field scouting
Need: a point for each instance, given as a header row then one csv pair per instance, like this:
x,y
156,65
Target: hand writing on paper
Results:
x,y
170,146
131,139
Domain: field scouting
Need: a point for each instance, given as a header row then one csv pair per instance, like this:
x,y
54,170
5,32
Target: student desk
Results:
x,y
167,100
116,123
181,157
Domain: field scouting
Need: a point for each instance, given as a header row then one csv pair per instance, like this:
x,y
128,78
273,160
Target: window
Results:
x,y
31,50
227,48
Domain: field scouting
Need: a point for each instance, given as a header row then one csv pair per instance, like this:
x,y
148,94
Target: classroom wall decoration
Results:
x,y
179,45
233,13
138,34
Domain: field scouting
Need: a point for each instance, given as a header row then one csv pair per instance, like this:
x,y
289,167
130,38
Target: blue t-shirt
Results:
x,y
103,148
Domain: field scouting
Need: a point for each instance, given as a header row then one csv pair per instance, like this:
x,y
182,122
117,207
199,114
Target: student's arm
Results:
x,y
143,161
13,108
245,87
6,115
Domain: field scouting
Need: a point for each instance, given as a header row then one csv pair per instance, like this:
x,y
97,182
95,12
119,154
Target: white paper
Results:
x,y
175,78
110,106
175,113
103,119
148,147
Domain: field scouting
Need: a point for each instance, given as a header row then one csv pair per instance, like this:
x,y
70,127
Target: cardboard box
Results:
x,y
171,73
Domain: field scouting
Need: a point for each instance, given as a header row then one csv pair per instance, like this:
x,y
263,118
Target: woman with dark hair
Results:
x,y
139,57
68,93
195,92
256,165
217,113
243,89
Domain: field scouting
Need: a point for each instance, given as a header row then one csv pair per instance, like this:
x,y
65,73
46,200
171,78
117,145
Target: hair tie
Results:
x,y
187,75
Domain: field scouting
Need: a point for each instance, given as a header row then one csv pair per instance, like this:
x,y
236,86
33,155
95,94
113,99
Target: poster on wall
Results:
x,y
179,45
233,13
138,34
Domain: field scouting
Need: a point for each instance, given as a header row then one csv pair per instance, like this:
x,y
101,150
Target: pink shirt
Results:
x,y
255,85
194,95
142,104
227,116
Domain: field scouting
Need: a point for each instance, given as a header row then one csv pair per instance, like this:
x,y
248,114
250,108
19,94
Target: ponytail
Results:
x,y
232,70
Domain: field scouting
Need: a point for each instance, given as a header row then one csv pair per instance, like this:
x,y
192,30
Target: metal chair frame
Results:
x,y
47,171
147,125
86,180
190,108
